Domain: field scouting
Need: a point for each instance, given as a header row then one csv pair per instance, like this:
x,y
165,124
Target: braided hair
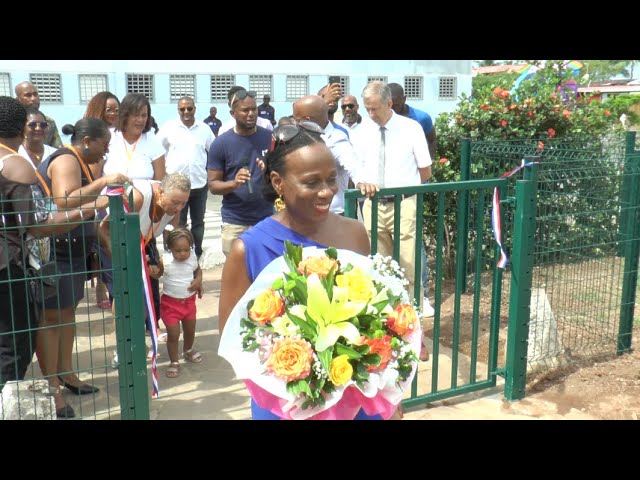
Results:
x,y
13,117
275,158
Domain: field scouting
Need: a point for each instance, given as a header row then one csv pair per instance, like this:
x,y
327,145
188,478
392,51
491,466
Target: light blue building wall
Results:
x,y
429,74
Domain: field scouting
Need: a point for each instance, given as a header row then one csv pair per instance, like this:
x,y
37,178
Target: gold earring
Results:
x,y
279,204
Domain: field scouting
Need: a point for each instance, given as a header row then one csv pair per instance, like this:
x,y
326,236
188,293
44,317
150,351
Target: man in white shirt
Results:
x,y
314,108
187,143
405,162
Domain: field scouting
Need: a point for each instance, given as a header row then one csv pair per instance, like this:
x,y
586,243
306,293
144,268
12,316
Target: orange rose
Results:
x,y
267,306
381,346
403,319
290,358
319,265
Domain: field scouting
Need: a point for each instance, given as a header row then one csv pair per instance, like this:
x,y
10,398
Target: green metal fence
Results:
x,y
90,337
585,252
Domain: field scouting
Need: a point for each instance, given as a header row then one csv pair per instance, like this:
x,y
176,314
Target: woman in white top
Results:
x,y
134,151
33,147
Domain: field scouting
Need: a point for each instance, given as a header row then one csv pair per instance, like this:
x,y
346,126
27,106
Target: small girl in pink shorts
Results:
x,y
181,280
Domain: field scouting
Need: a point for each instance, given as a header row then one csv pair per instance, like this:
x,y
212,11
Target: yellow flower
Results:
x,y
284,326
358,284
341,370
290,359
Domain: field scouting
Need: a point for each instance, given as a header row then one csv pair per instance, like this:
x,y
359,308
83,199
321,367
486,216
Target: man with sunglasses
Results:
x,y
239,93
315,109
351,119
187,142
234,169
27,95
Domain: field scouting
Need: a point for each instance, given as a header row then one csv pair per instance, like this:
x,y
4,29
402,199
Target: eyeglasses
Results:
x,y
186,109
241,95
285,133
34,125
111,110
347,105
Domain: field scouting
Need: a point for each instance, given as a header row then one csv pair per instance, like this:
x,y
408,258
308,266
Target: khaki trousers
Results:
x,y
407,234
229,233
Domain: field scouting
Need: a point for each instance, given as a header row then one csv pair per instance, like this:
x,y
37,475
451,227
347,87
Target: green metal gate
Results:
x,y
449,372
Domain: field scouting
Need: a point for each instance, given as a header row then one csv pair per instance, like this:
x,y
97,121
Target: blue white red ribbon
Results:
x,y
496,222
148,298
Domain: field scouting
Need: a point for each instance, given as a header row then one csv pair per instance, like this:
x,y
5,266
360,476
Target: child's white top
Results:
x,y
178,276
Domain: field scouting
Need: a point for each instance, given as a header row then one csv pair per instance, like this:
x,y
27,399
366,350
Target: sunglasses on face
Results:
x,y
186,109
34,125
285,133
241,95
348,105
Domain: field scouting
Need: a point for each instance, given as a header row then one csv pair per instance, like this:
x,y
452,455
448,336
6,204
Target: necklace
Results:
x,y
34,154
126,148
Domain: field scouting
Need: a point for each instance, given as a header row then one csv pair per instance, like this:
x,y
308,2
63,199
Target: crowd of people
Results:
x,y
279,181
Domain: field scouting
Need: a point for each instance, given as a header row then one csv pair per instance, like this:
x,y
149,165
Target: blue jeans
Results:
x,y
197,205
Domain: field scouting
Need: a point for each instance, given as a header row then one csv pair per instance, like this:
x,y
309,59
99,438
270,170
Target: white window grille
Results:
x,y
297,86
140,83
261,84
447,88
413,88
377,79
49,86
344,83
182,86
220,85
5,85
90,85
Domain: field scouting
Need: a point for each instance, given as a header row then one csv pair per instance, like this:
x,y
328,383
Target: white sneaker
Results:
x,y
427,309
114,360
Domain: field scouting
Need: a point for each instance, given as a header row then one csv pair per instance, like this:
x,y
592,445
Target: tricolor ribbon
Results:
x,y
148,297
496,223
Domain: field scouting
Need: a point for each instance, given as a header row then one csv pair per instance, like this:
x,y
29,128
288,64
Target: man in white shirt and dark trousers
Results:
x,y
394,152
187,143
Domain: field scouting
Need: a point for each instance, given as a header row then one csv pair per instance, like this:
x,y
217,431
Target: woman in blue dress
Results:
x,y
300,175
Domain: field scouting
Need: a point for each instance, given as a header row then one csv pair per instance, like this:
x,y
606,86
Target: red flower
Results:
x,y
540,146
443,160
503,123
607,113
552,133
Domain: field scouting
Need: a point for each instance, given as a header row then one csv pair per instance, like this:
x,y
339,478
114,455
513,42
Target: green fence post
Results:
x,y
625,191
520,295
129,316
463,215
631,252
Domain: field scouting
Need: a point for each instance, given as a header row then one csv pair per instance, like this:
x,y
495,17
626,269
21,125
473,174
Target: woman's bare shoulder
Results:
x,y
352,235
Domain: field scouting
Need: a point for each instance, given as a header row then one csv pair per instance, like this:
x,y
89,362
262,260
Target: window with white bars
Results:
x,y
261,84
90,85
377,79
297,86
220,85
447,88
344,83
413,88
182,86
5,85
140,83
49,86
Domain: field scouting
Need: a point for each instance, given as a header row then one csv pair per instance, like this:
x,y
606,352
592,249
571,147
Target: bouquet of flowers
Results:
x,y
321,334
